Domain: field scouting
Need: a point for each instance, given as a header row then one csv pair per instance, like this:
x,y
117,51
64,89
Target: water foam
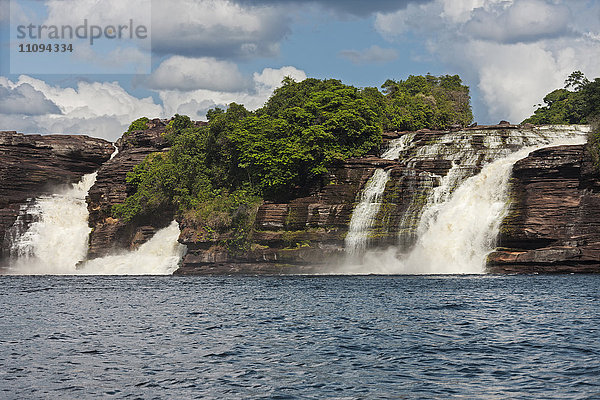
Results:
x,y
460,222
369,203
56,242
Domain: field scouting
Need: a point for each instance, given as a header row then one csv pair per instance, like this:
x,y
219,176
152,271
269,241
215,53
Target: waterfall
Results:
x,y
370,200
56,240
456,234
158,256
58,236
365,212
459,222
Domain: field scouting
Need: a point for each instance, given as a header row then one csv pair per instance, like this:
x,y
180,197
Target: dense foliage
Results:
x,y
217,174
577,103
139,124
426,102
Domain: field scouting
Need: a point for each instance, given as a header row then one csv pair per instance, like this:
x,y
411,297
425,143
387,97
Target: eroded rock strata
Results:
x,y
554,222
34,165
296,237
111,234
553,225
308,234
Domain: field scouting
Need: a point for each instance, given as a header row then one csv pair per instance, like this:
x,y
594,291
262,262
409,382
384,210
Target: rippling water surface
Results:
x,y
300,337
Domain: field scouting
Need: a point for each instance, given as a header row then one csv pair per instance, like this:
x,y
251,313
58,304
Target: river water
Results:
x,y
346,337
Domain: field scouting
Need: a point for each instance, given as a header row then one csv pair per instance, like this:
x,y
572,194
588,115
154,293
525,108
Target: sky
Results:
x,y
202,54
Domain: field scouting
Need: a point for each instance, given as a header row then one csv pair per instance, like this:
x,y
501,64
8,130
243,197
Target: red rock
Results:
x,y
554,221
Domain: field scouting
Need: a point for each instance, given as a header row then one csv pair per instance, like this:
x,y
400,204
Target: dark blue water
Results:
x,y
535,337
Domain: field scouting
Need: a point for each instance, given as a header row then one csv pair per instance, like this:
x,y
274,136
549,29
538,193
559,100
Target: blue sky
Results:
x,y
207,53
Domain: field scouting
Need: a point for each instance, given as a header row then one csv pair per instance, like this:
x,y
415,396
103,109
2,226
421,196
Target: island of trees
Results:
x,y
218,174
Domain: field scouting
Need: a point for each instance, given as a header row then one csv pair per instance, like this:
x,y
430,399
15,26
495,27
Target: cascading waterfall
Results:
x,y
56,241
57,238
460,221
158,256
365,212
370,200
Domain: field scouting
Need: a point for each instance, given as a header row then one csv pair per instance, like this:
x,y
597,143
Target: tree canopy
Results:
x,y
577,103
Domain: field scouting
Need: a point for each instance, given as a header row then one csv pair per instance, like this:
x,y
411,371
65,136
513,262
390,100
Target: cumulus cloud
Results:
x,y
271,78
217,28
354,7
24,99
97,109
186,74
523,21
193,28
513,51
373,54
105,109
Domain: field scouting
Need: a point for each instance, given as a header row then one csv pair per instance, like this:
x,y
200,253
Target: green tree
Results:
x,y
577,103
426,102
139,124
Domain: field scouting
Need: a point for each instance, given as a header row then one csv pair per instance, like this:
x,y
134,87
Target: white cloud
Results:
x,y
196,103
271,78
105,12
186,74
217,28
514,51
193,28
373,54
24,99
509,76
523,21
97,109
106,109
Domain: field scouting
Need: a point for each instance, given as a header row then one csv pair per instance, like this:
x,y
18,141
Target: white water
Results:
x,y
369,204
460,222
365,212
57,241
158,256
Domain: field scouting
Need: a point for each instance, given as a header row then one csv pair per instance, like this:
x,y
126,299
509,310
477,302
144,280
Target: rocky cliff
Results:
x,y
296,237
554,221
553,224
308,234
33,165
111,188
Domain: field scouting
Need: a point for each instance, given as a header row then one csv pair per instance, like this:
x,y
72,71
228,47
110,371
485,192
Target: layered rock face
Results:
x,y
301,236
554,221
553,225
34,165
111,234
309,234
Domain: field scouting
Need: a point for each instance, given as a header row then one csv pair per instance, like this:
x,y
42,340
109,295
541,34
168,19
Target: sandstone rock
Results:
x,y
554,221
295,237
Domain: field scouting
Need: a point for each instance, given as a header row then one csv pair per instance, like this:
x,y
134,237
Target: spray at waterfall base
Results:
x,y
458,223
